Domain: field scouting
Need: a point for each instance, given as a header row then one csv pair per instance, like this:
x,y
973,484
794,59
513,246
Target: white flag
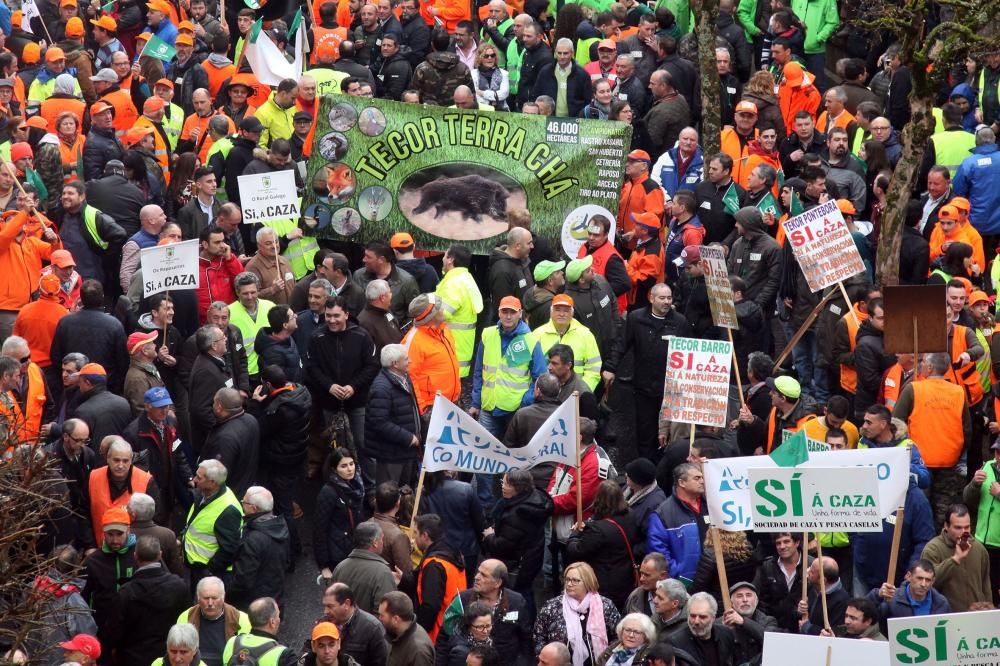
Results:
x,y
268,62
456,441
29,10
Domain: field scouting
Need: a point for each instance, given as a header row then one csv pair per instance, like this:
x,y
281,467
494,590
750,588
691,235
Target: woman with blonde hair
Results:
x,y
492,81
737,555
71,141
580,618
761,91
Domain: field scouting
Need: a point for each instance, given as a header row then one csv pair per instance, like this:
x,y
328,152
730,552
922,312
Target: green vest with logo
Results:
x,y
90,224
300,252
505,381
951,147
223,145
173,124
987,529
484,38
327,80
515,52
984,364
583,50
455,290
241,319
200,543
249,642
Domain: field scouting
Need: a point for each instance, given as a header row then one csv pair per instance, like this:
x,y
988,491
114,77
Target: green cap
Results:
x,y
785,385
546,268
576,268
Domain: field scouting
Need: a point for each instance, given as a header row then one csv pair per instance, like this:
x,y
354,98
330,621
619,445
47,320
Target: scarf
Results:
x,y
622,656
596,630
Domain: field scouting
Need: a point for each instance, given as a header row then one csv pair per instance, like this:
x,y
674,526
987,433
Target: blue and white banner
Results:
x,y
456,441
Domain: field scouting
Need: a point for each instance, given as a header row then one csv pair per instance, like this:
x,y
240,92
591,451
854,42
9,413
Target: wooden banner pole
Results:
x,y
822,585
850,307
579,440
803,328
736,369
720,567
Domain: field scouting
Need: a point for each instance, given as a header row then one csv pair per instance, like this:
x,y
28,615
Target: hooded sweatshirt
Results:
x,y
756,258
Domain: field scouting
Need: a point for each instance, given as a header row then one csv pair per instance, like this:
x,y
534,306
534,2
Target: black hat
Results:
x,y
740,585
251,124
301,116
642,471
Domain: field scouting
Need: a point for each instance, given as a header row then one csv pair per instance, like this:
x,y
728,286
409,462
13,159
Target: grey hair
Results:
x,y
939,362
183,635
214,470
70,426
265,231
220,305
985,136
323,283
565,41
120,445
713,605
76,358
377,289
392,354
245,278
260,498
141,506
839,93
562,653
211,580
625,57
647,626
205,336
675,590
14,343
767,174
547,385
517,235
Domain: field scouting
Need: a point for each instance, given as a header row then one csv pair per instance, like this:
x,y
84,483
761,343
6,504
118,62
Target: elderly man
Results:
x,y
31,402
431,349
812,612
653,569
747,622
362,636
272,270
234,440
153,434
215,620
141,508
557,654
265,621
392,421
113,485
142,374
704,639
670,602
365,570
151,221
263,555
74,461
376,318
214,524
564,81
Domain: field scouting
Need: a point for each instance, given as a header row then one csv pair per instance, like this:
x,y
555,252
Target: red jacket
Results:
x,y
595,466
216,282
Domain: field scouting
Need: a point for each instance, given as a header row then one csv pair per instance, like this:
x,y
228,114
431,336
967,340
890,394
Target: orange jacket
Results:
x,y
433,364
964,375
639,196
72,156
959,234
449,11
36,323
842,121
731,145
20,261
321,35
100,495
29,421
936,421
217,76
53,106
125,111
801,98
161,148
756,156
848,373
642,266
204,142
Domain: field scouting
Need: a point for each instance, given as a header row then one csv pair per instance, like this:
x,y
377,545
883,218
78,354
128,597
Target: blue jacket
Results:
x,y
976,180
539,366
901,606
665,173
462,516
969,119
676,531
871,549
919,473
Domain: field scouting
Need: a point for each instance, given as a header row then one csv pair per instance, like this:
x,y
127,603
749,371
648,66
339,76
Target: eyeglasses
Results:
x,y
489,55
483,627
79,440
632,632
572,581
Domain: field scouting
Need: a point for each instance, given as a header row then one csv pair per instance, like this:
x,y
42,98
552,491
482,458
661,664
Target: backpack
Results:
x,y
249,656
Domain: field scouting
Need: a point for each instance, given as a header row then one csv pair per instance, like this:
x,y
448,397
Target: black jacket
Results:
x,y
777,598
106,572
104,413
697,309
426,277
871,362
239,157
80,532
115,196
644,337
339,507
193,77
757,260
101,147
98,336
146,608
597,308
512,626
507,277
750,336
533,60
391,419
193,220
518,531
706,576
604,547
363,638
718,223
155,454
684,76
236,443
433,577
282,353
722,638
578,88
914,252
263,556
461,514
791,143
345,358
283,418
416,42
208,375
393,77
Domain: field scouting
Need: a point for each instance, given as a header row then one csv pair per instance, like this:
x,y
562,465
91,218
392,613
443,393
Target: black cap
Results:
x,y
740,585
642,471
251,124
302,116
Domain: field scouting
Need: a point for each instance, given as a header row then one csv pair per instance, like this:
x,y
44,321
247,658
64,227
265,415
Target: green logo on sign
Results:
x,y
774,493
914,640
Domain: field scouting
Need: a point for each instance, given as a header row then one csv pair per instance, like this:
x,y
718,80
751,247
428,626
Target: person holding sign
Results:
x,y
790,410
817,614
915,597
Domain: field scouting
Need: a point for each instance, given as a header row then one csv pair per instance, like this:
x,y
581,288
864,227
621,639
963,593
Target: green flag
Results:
x,y
796,205
768,205
792,452
731,200
159,49
294,25
781,179
255,30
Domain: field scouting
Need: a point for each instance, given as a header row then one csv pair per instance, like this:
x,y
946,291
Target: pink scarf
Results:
x,y
596,629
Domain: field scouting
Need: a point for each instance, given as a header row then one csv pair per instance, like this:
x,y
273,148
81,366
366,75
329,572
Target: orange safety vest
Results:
x,y
892,383
842,121
453,584
602,256
730,145
161,149
125,111
966,376
772,420
333,36
100,495
54,106
217,76
204,142
848,374
29,422
642,265
71,157
936,421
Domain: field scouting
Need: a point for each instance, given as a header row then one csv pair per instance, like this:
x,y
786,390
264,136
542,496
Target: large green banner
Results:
x,y
451,175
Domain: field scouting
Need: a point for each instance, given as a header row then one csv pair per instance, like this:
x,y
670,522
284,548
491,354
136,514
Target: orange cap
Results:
x,y
325,49
961,203
166,83
116,517
562,299
49,284
100,106
144,36
106,22
31,54
184,39
37,121
16,17
158,6
793,74
134,135
93,370
54,53
978,296
846,207
74,27
746,107
510,303
651,220
153,104
948,212
186,25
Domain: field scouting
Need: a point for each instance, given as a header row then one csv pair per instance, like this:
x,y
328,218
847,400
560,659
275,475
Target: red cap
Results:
x,y
138,340
19,151
510,303
85,644
562,299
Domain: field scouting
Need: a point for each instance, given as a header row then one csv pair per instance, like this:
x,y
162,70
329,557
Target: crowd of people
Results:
x,y
193,434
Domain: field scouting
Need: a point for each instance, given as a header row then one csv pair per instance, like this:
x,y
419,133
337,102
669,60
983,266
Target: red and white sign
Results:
x,y
720,292
822,244
696,386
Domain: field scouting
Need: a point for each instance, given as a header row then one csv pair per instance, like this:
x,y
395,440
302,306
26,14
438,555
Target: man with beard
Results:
x,y
708,642
409,644
845,170
277,113
747,622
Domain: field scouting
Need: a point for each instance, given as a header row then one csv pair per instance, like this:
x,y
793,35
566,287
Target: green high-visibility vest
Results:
x,y
515,52
984,363
223,145
250,641
951,147
327,80
988,529
504,385
300,252
241,319
484,37
583,50
173,124
90,224
200,542
462,302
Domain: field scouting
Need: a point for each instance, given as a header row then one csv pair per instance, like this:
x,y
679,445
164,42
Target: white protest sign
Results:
x,y
785,649
727,481
29,10
720,292
822,244
173,266
696,386
456,441
268,196
957,639
811,444
824,499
